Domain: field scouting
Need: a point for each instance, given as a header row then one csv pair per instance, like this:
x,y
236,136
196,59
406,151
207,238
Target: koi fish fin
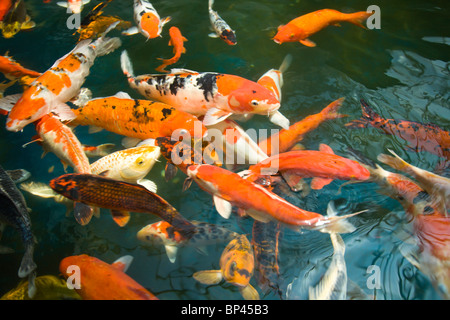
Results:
x,y
208,276
94,129
104,173
326,148
131,31
362,123
32,285
104,46
38,189
358,18
280,120
120,217
125,64
148,184
257,215
5,250
86,2
395,162
249,293
96,212
336,224
318,183
182,71
8,102
82,213
214,116
18,175
170,171
187,183
147,142
63,112
28,24
308,43
62,4
129,142
123,263
27,265
296,183
213,35
82,98
122,95
171,252
100,151
223,207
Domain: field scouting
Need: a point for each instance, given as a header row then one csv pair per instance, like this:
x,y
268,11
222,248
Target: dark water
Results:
x,y
396,69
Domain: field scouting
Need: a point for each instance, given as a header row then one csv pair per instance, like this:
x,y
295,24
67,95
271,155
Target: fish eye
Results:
x,y
291,35
254,103
140,161
233,266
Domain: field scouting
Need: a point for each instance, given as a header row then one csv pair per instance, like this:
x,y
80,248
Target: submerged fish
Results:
x,y
147,20
15,19
142,119
15,213
420,136
48,287
121,197
75,6
236,267
221,29
163,232
214,95
13,70
177,41
50,91
102,281
301,28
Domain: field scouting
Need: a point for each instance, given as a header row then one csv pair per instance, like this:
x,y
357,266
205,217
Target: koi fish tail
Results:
x,y
358,18
395,162
336,224
103,46
27,265
286,63
210,4
125,64
330,112
368,113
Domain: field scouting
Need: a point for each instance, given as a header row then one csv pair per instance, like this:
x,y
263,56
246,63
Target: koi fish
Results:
x,y
15,213
103,281
286,139
228,189
333,285
75,6
437,186
142,119
147,20
120,197
50,91
177,41
221,29
301,28
265,248
323,166
56,137
214,95
420,136
163,232
236,267
4,8
48,287
15,19
273,79
13,70
130,165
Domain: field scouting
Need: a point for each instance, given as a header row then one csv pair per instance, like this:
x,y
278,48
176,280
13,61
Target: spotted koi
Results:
x,y
221,29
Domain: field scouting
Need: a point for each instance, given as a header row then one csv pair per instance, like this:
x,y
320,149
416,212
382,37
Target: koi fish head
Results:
x,y
160,231
25,111
229,37
253,98
75,6
65,185
140,162
11,29
287,33
237,262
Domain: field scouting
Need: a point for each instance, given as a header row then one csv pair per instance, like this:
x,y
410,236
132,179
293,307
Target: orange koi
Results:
x,y
229,189
301,28
286,139
420,136
13,70
102,281
214,95
142,119
120,197
59,139
4,8
177,41
236,267
50,91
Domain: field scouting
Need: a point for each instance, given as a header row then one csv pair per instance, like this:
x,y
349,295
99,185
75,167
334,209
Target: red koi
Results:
x,y
177,41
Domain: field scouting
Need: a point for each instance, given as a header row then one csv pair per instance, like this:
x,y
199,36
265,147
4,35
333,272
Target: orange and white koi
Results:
x,y
323,166
177,41
59,139
103,281
147,20
163,232
142,119
13,70
130,165
301,28
236,267
229,189
286,139
75,6
50,91
437,186
221,29
214,95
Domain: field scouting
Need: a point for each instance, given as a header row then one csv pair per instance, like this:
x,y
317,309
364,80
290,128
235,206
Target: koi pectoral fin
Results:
x,y
82,213
249,293
208,276
308,43
171,252
357,124
214,116
120,217
223,207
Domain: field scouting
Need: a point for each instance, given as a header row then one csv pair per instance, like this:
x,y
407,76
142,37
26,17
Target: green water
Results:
x,y
399,73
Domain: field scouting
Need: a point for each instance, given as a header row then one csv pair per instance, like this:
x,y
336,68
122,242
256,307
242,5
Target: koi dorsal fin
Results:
x,y
123,263
326,148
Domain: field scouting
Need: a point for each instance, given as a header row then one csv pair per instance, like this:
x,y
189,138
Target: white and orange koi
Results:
x,y
75,6
13,70
50,91
214,95
147,20
221,29
229,189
